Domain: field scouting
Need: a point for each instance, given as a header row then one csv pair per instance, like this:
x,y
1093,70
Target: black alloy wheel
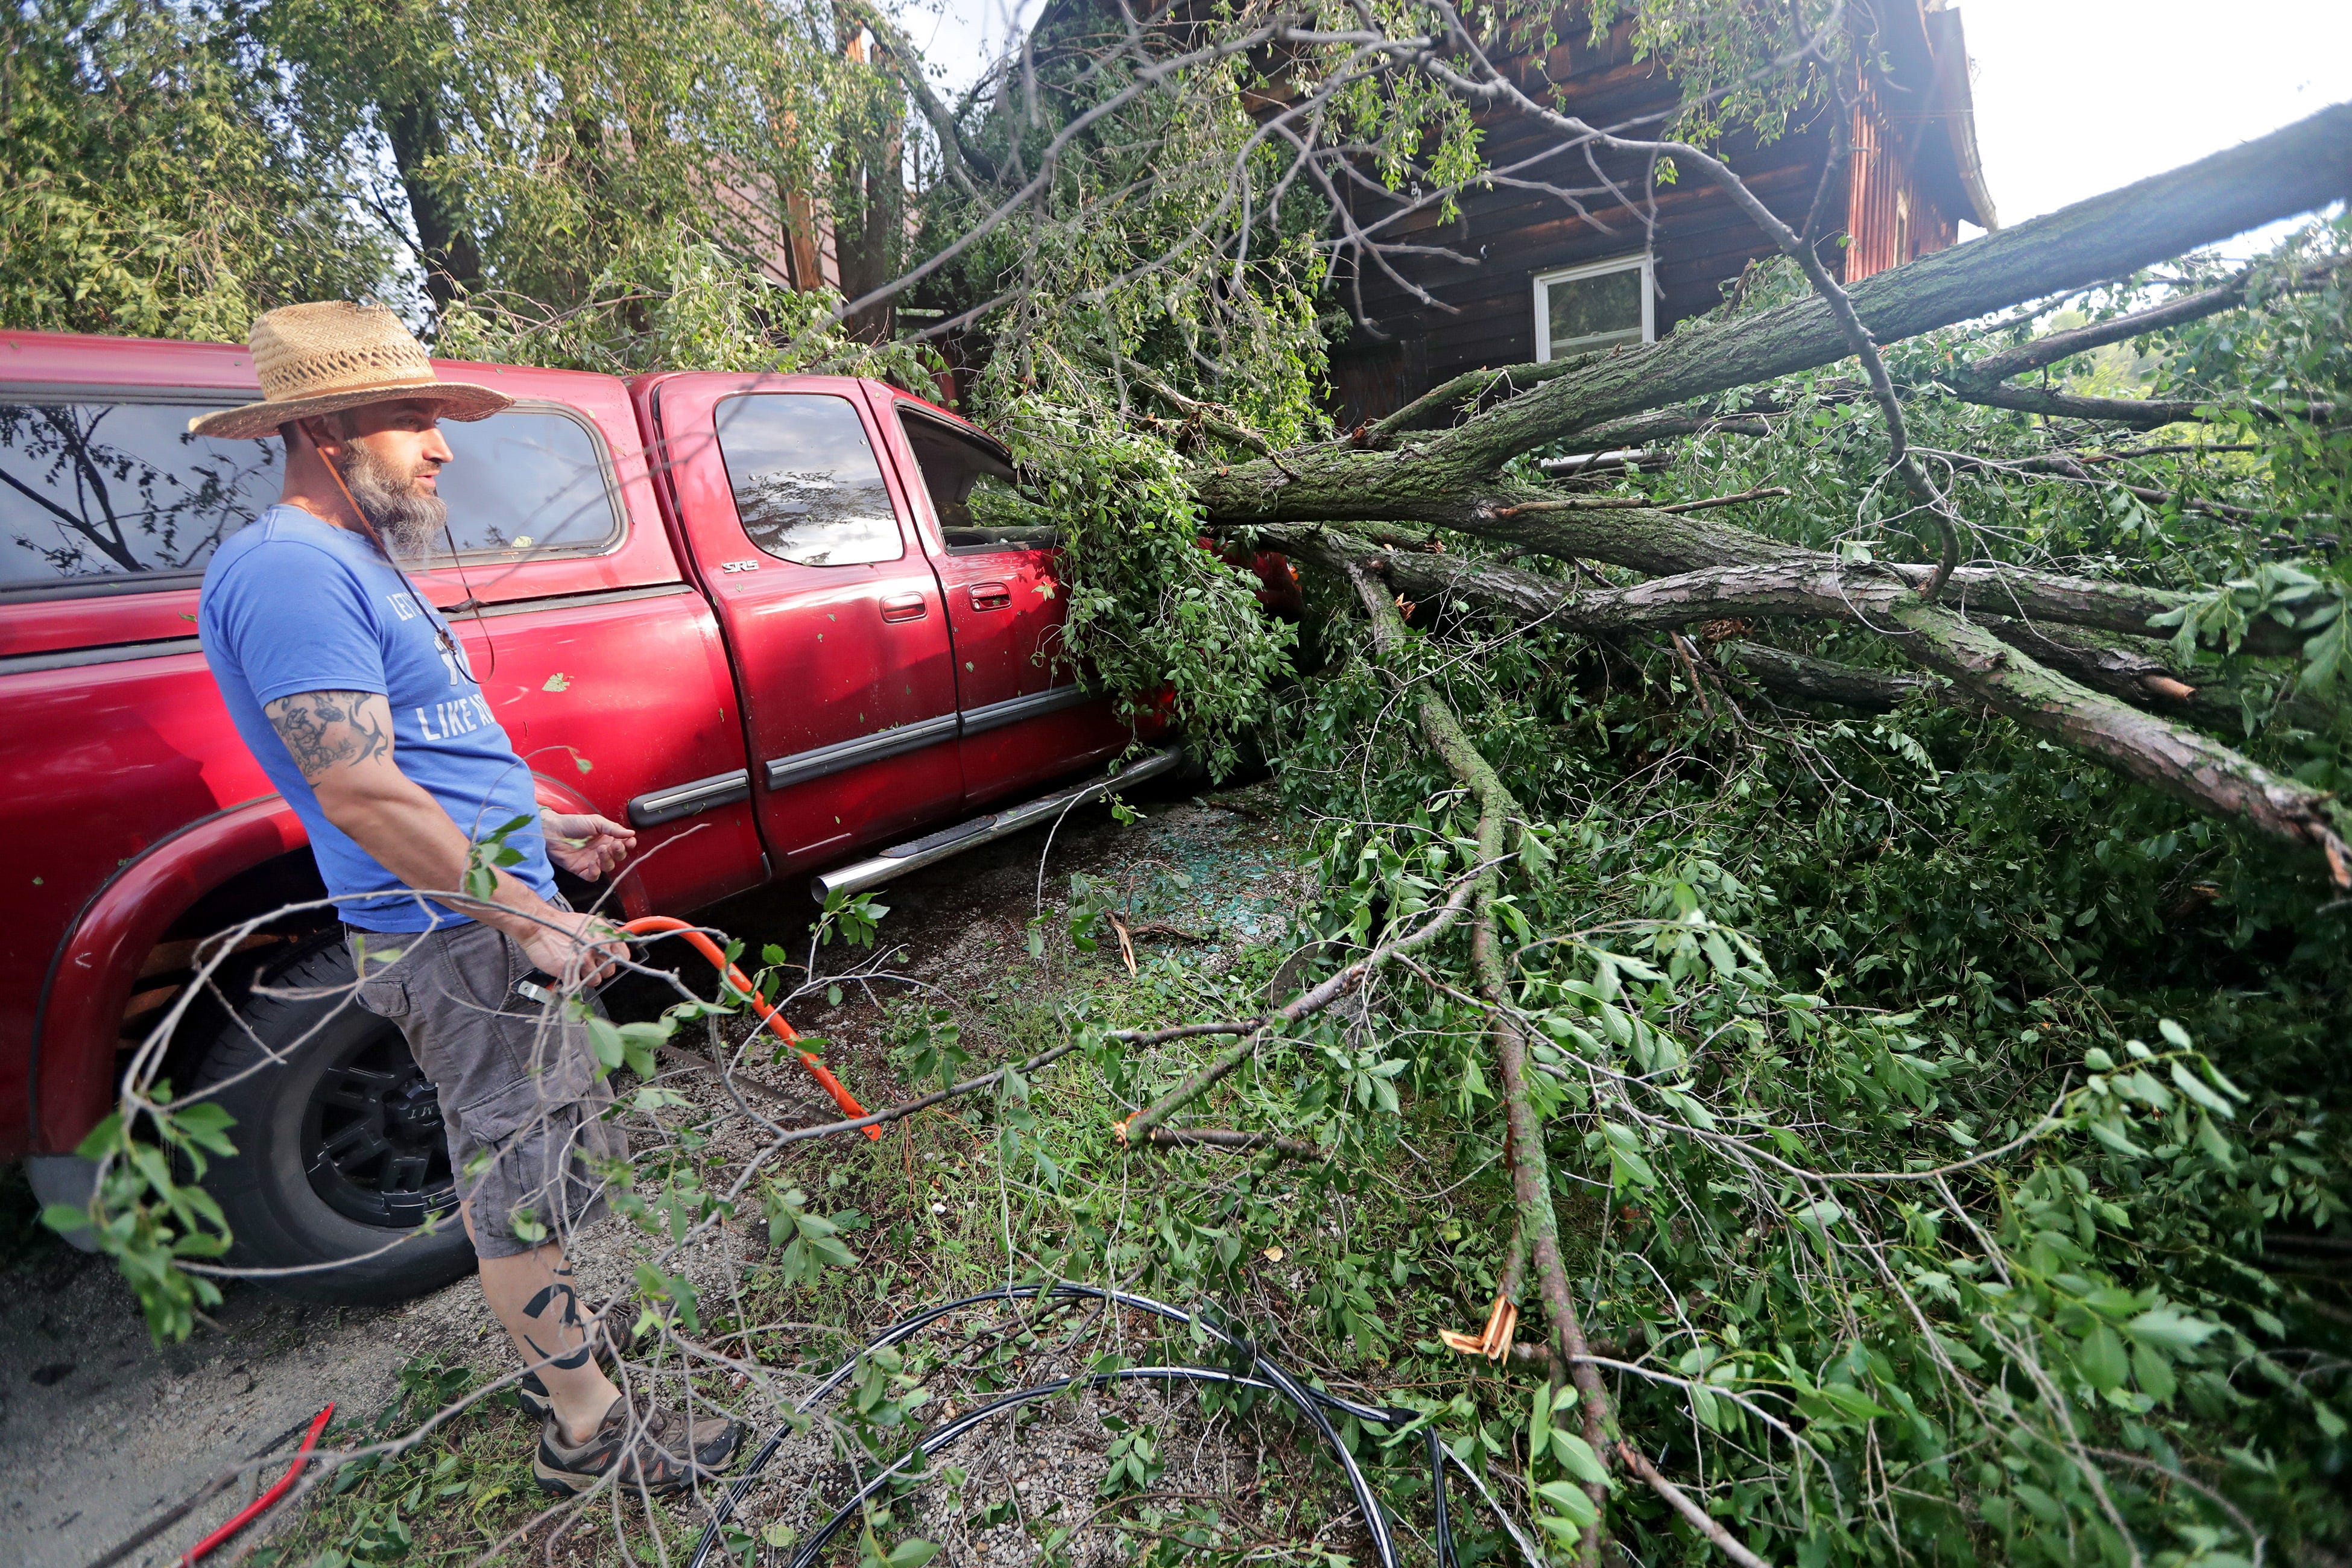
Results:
x,y
373,1144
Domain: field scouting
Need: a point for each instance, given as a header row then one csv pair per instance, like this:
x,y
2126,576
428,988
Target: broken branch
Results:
x,y
1681,1502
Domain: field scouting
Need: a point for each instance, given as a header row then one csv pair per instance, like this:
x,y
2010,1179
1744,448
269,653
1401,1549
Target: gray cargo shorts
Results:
x,y
520,1100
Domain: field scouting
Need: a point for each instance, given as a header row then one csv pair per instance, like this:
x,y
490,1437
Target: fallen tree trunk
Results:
x,y
2176,760
1998,632
2184,764
1723,570
2290,172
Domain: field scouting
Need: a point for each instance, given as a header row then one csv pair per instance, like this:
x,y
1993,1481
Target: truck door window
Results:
x,y
808,487
96,489
974,492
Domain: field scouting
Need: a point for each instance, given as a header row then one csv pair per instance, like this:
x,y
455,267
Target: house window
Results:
x,y
1596,306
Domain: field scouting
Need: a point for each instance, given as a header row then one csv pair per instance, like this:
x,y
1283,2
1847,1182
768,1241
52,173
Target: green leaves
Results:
x,y
1153,618
2101,1358
627,1044
1627,1166
2278,593
1572,1513
929,1046
1132,1462
145,1216
659,1289
911,1552
1553,1446
2171,1330
486,855
807,1244
854,918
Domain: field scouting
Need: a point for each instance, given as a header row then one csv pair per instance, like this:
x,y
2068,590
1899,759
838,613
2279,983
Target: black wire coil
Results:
x,y
1311,1403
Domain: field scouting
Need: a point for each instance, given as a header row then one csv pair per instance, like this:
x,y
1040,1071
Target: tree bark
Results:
x,y
2288,173
1806,678
869,204
453,263
2183,764
1522,1143
2136,413
1707,570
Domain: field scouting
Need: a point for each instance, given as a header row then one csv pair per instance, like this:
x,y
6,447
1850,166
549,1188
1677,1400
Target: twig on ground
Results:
x,y
1680,1501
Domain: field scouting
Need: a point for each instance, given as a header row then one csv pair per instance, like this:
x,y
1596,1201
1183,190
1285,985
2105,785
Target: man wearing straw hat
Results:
x,y
358,702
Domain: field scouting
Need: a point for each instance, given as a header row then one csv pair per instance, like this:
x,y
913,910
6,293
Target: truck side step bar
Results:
x,y
901,858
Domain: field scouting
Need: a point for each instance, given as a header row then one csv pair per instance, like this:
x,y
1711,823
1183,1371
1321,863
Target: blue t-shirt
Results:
x,y
292,604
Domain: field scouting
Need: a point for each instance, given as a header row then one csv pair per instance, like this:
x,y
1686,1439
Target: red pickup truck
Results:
x,y
755,616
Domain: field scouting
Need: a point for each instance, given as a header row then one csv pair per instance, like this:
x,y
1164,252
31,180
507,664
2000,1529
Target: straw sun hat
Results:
x,y
326,357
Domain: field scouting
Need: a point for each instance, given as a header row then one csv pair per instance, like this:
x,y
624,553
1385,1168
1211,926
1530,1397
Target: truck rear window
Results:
x,y
94,488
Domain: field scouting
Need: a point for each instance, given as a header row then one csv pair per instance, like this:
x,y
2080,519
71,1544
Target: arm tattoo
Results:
x,y
324,729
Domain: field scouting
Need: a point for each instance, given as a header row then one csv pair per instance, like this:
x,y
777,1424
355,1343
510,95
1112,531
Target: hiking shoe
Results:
x,y
638,1443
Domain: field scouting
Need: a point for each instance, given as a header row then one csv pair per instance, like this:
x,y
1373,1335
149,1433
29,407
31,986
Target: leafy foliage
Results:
x,y
1151,613
683,304
145,188
1934,1117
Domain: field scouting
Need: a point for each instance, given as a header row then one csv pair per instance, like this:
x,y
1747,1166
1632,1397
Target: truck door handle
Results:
x,y
991,595
904,607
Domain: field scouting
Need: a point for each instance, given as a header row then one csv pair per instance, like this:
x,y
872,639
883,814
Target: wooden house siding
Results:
x,y
1891,213
1485,312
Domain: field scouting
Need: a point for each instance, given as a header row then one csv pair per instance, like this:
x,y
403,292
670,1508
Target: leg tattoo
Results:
x,y
570,1318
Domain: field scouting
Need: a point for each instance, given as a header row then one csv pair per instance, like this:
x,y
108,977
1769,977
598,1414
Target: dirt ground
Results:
x,y
100,1432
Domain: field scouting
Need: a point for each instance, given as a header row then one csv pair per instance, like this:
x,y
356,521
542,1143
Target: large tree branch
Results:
x,y
1522,1143
2136,675
2183,764
966,163
1442,403
1702,557
2137,413
2051,347
2287,172
1810,679
2190,766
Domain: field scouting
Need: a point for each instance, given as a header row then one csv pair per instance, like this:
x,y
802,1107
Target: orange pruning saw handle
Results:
x,y
663,925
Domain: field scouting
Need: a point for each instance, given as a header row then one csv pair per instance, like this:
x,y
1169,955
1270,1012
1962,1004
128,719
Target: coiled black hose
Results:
x,y
1310,1403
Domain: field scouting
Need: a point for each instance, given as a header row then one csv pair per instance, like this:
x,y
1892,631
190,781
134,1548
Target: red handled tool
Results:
x,y
653,925
261,1504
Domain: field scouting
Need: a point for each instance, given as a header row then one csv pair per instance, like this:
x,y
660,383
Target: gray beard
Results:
x,y
406,520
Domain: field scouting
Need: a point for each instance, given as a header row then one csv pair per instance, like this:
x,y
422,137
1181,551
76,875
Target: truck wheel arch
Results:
x,y
77,1023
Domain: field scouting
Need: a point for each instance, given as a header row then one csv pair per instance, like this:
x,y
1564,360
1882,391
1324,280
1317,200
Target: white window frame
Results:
x,y
1643,261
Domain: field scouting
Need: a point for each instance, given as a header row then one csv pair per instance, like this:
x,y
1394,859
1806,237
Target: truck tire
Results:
x,y
340,1148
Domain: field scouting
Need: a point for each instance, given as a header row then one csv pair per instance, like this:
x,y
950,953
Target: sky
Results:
x,y
2073,97
2076,97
